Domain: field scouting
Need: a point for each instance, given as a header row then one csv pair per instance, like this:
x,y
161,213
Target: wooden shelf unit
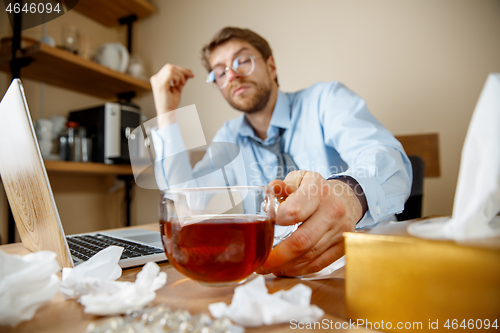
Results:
x,y
108,12
88,168
67,70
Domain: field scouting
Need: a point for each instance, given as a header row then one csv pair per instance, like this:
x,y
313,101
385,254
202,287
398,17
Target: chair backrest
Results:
x,y
423,151
413,206
426,146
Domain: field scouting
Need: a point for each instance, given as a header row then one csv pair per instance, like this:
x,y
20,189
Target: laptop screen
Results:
x,y
25,179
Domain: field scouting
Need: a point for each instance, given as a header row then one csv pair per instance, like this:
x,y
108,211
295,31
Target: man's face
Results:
x,y
245,93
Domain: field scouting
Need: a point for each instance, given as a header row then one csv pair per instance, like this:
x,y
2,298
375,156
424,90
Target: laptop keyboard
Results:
x,y
84,247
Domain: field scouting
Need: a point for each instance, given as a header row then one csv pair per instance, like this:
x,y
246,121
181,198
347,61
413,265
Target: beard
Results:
x,y
251,101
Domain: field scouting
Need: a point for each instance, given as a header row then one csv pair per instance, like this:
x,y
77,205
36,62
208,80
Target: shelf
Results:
x,y
108,12
67,70
88,168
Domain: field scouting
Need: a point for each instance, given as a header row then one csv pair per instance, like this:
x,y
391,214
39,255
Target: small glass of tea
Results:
x,y
218,235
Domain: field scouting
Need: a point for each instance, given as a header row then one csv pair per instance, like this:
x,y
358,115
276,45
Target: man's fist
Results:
x,y
167,87
326,208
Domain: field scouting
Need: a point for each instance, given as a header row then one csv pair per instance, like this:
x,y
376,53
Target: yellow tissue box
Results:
x,y
398,282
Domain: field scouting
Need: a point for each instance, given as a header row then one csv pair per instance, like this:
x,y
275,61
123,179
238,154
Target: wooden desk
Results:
x,y
59,315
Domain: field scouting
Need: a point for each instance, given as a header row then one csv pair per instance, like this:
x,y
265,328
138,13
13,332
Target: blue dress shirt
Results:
x,y
328,129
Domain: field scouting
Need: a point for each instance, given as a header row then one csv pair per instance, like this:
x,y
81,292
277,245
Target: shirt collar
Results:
x,y
279,119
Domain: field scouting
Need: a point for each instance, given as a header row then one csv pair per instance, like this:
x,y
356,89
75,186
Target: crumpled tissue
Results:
x,y
477,197
26,283
93,282
253,306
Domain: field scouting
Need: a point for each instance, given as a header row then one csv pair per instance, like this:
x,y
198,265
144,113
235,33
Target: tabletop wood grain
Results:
x,y
59,315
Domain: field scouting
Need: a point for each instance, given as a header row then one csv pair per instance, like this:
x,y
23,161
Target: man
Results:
x,y
353,172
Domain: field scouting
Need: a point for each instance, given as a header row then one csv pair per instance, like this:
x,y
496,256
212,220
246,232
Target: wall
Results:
x,y
419,64
85,203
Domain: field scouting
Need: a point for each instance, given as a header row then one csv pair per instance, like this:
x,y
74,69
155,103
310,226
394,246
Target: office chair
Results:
x,y
413,206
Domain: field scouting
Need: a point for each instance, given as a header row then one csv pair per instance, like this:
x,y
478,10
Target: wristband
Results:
x,y
357,189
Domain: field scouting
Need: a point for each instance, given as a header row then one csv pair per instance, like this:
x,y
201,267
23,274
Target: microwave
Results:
x,y
109,126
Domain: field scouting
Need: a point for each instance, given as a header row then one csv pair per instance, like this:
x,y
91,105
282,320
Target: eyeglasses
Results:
x,y
242,65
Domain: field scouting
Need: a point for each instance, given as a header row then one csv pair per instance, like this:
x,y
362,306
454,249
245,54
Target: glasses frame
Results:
x,y
211,75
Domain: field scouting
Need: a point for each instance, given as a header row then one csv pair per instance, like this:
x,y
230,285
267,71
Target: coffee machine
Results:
x,y
109,127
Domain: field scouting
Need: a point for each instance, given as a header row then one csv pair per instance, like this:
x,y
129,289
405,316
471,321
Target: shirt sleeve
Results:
x,y
375,159
173,168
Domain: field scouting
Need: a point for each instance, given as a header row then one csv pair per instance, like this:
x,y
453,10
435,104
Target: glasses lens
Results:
x,y
244,65
211,77
217,76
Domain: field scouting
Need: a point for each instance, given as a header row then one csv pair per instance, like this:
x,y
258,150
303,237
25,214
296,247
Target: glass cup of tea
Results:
x,y
219,235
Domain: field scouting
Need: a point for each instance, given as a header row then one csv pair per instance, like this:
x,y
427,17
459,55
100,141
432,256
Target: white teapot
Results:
x,y
113,55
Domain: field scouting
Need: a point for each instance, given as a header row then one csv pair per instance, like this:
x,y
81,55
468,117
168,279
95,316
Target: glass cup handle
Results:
x,y
282,232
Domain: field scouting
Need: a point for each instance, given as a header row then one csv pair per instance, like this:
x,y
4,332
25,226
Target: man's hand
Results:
x,y
167,87
326,208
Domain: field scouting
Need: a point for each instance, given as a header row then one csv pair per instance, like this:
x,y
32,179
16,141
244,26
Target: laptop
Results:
x,y
32,202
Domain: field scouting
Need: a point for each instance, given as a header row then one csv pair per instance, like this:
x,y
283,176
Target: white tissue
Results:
x,y
26,283
94,283
103,266
253,306
111,298
477,197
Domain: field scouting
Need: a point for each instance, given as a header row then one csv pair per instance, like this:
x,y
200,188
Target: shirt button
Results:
x,y
378,210
169,141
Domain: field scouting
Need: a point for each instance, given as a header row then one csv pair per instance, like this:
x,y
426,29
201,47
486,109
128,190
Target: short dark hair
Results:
x,y
228,33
